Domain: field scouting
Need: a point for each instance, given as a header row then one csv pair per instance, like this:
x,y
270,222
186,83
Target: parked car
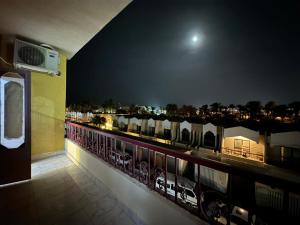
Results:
x,y
185,188
119,158
214,208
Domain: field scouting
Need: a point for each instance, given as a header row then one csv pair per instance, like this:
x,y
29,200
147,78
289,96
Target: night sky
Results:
x,y
245,50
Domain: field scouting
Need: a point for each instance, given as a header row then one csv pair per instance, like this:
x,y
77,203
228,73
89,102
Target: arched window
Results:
x,y
209,139
185,135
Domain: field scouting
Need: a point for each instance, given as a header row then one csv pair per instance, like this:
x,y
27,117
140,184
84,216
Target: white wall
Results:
x,y
158,127
209,127
122,119
151,123
148,205
166,124
136,121
241,131
133,123
287,139
185,125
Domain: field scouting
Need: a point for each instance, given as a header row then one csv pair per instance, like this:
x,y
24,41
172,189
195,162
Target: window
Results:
x,y
190,193
173,187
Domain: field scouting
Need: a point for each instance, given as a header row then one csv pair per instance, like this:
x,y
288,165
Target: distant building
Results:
x,y
237,141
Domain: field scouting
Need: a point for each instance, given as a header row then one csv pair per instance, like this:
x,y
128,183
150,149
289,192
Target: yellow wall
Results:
x,y
48,96
255,148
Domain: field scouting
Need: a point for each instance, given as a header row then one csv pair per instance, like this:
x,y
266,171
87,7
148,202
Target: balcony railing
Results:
x,y
243,154
207,188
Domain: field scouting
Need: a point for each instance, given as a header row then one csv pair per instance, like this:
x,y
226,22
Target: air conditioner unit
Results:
x,y
36,58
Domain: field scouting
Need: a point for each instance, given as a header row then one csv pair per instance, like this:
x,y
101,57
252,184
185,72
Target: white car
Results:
x,y
119,158
185,188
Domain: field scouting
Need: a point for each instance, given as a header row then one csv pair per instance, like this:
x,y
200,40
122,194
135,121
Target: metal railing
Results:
x,y
243,154
204,187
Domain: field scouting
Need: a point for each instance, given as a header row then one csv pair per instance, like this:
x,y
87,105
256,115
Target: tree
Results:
x,y
215,107
295,106
231,108
203,110
109,106
171,109
102,120
98,121
280,111
133,109
187,110
242,110
253,107
269,108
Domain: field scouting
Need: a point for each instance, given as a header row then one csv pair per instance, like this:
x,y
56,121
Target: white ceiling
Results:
x,y
65,24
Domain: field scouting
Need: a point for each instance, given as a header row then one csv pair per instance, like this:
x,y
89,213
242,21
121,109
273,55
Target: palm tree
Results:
x,y
109,106
231,107
215,107
188,110
102,120
295,106
171,109
269,108
280,111
133,109
96,120
253,107
242,110
204,110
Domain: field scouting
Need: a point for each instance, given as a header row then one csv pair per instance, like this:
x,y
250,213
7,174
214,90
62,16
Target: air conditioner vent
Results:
x,y
35,57
31,56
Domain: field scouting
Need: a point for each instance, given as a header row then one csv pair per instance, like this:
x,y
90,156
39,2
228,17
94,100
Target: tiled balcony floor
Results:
x,y
61,193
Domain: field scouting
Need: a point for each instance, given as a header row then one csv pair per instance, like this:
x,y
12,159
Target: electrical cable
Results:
x,y
3,60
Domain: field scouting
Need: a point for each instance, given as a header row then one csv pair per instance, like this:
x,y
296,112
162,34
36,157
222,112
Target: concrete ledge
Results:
x,y
146,204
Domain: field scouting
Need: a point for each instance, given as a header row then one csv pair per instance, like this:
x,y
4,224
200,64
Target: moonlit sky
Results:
x,y
192,52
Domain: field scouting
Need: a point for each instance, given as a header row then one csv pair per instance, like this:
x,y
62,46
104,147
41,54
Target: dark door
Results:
x,y
15,134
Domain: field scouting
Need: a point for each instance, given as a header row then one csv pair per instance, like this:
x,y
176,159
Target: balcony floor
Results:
x,y
61,193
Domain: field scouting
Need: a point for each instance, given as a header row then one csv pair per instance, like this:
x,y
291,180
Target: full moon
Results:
x,y
195,38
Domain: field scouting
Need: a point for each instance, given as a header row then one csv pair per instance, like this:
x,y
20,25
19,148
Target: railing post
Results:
x,y
285,203
116,164
133,160
92,142
112,143
123,152
84,138
176,189
165,160
229,196
199,189
77,134
149,162
97,143
105,149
